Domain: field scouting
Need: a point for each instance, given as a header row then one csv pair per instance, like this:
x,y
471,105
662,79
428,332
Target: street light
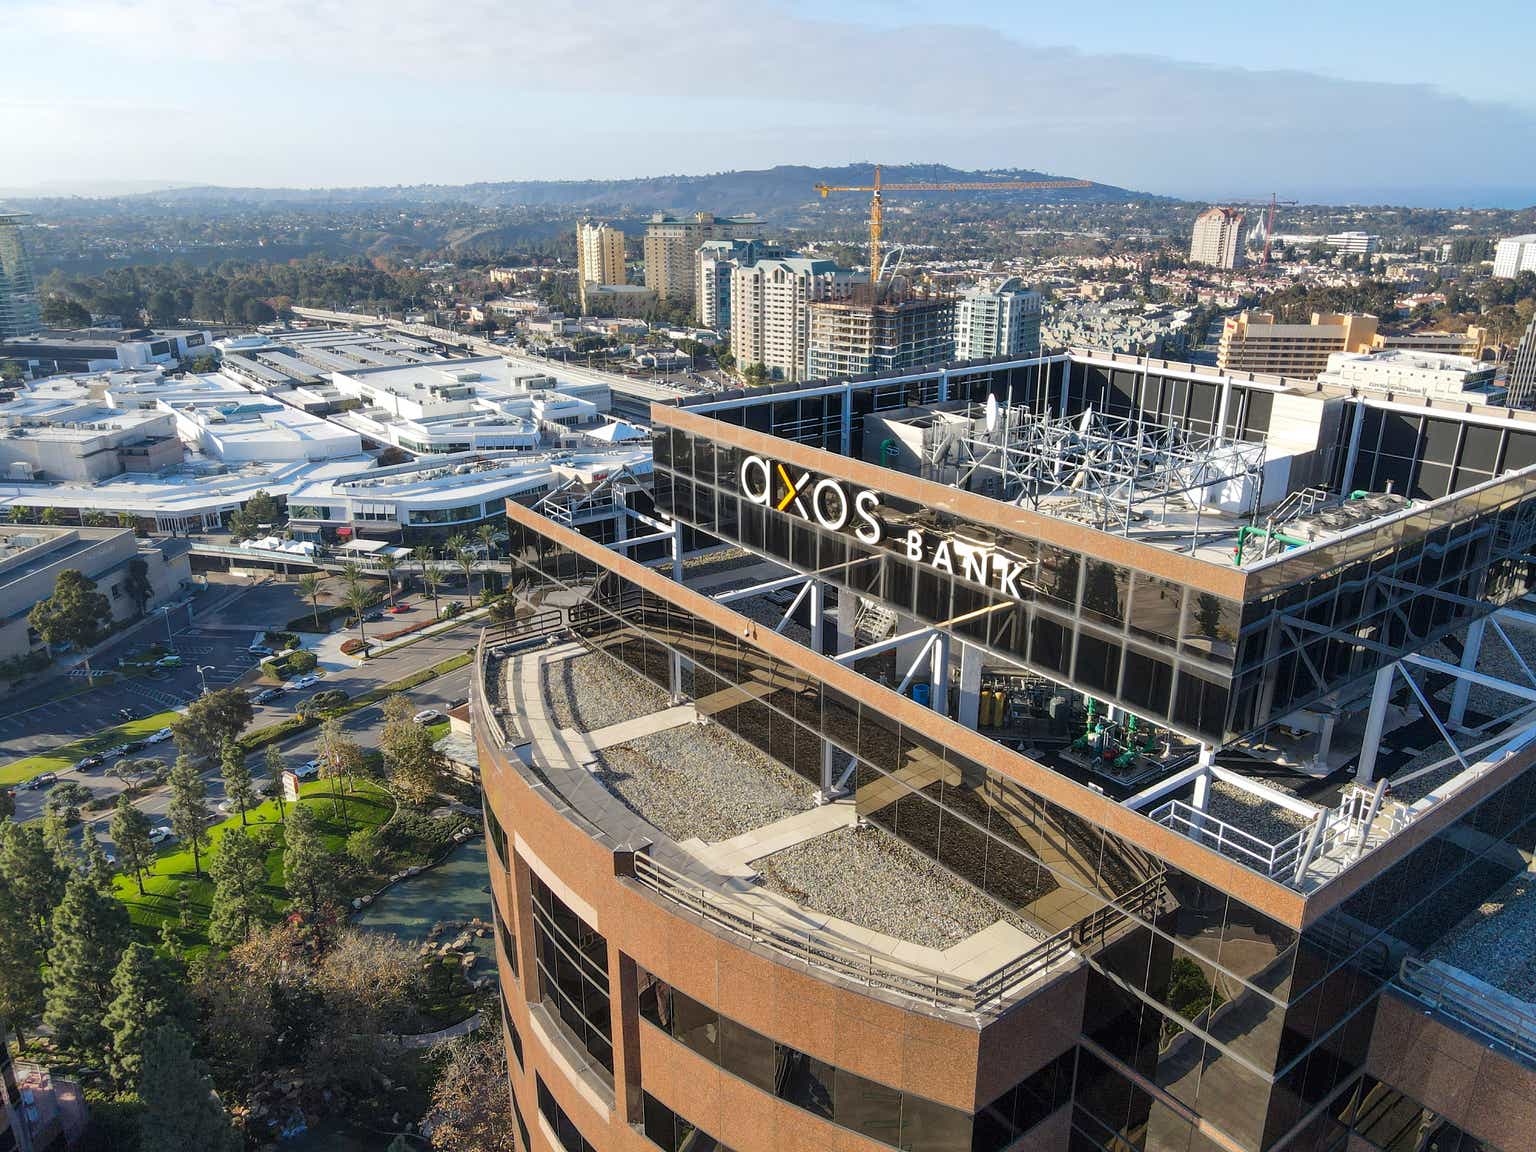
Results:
x,y
202,670
165,611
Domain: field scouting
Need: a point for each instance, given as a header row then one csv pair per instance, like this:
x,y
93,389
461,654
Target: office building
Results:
x,y
1514,255
1468,343
713,264
599,257
31,558
18,287
1357,243
1522,373
670,243
997,320
1040,781
1217,239
854,338
771,302
1407,373
1253,342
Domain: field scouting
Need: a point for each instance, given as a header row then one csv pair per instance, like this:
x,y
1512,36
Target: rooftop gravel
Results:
x,y
870,878
701,780
592,691
1497,943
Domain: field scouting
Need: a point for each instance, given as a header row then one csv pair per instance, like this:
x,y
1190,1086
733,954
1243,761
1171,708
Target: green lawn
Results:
x,y
66,754
367,807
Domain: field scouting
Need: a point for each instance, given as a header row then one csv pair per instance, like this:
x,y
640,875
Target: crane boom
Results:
x,y
877,207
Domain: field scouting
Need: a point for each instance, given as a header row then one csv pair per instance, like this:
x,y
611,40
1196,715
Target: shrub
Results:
x,y
353,646
406,631
452,610
289,666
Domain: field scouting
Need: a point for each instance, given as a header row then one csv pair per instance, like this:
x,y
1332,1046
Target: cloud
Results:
x,y
598,87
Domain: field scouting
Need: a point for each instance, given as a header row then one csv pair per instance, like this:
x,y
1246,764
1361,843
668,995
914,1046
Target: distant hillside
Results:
x,y
771,192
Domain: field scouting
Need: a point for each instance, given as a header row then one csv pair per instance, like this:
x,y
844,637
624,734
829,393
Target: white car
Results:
x,y
307,769
428,716
159,834
298,683
158,737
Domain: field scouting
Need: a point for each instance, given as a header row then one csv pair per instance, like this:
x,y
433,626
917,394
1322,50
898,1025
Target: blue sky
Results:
x,y
1405,102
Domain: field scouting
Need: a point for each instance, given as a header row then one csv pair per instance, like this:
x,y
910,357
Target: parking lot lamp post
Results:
x,y
165,610
202,671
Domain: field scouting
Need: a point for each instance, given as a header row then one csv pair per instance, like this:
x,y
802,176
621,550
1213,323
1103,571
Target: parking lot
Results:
x,y
29,726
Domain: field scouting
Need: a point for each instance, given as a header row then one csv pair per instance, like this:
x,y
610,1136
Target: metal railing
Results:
x,y
1439,988
1276,861
824,951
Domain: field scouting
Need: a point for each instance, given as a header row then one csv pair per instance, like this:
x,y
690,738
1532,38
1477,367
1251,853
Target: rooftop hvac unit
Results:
x,y
20,470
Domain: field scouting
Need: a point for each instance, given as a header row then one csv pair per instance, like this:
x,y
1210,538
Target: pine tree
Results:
x,y
56,837
145,995
239,870
21,962
189,809
35,876
130,832
306,868
415,766
180,1110
90,931
273,760
237,778
96,866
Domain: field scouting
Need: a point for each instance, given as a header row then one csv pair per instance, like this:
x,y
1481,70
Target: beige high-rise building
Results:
x,y
771,311
1217,238
599,256
1253,342
670,244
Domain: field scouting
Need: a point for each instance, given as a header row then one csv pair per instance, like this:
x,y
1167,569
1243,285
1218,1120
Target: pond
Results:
x,y
457,889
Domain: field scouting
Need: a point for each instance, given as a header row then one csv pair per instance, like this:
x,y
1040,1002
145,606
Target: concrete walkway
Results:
x,y
431,1039
732,857
627,730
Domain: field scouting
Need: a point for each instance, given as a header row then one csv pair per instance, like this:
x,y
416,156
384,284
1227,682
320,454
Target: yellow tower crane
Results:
x,y
876,209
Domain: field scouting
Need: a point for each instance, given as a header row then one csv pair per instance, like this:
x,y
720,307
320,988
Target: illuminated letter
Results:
x,y
942,560
1008,573
871,530
751,465
973,562
914,545
837,521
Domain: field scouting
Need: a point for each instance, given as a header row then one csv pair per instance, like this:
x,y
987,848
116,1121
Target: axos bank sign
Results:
x,y
838,506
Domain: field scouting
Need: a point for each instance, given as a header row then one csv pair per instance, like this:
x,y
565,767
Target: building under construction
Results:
x,y
886,330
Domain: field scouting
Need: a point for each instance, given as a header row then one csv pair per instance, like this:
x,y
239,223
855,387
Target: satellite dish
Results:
x,y
991,413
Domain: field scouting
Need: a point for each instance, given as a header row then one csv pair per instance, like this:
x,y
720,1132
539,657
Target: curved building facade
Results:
x,y
799,838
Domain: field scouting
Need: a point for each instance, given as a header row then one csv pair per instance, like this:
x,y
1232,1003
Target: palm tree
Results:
x,y
389,562
490,536
465,558
309,588
357,599
50,517
431,577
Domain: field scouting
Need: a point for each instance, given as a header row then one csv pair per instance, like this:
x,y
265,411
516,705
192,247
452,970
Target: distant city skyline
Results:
x,y
114,95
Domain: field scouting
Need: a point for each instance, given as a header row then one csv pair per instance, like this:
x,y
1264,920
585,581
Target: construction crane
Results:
x,y
876,207
1269,219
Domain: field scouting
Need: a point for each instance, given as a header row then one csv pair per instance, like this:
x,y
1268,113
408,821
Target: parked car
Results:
x,y
267,695
399,608
127,748
168,662
259,650
308,769
428,716
85,763
373,615
159,834
226,806
41,780
127,714
299,683
158,737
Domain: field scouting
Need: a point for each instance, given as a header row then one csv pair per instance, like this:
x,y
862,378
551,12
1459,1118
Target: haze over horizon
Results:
x,y
285,93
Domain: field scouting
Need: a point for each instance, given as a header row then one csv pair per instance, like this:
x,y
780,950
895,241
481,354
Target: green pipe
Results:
x,y
1248,530
1359,494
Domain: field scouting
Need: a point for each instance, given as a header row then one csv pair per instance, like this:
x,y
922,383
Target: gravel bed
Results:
x,y
870,878
1497,943
593,691
1494,659
719,560
701,780
1253,814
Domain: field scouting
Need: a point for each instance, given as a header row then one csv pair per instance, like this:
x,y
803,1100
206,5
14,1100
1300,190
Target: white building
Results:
x,y
1437,375
88,444
1217,238
1000,319
771,311
259,429
479,404
1514,255
444,495
1360,243
713,264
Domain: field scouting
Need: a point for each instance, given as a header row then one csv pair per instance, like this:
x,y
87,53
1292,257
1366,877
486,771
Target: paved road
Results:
x,y
362,726
354,681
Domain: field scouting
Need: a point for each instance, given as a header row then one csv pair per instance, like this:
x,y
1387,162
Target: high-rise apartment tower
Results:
x,y
1217,238
670,244
599,255
18,289
997,320
771,302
